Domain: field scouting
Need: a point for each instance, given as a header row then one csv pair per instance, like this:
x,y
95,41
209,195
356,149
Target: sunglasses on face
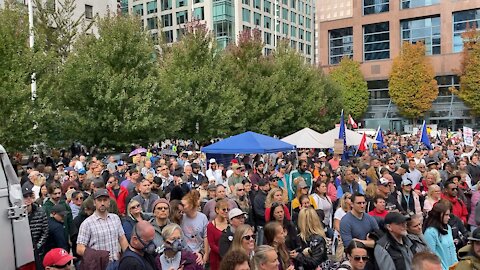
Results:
x,y
79,198
135,206
249,237
225,209
360,258
240,189
162,208
323,175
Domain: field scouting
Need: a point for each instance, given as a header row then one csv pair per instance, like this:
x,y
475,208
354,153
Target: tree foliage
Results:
x,y
353,87
16,121
412,85
109,93
470,71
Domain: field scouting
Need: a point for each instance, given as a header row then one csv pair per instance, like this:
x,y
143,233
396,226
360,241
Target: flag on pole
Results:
x,y
424,137
363,143
379,138
342,135
352,122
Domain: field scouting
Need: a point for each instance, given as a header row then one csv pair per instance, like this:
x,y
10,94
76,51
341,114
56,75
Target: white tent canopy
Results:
x,y
305,138
353,138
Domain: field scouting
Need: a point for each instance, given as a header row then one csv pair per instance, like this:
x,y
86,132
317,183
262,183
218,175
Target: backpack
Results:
x,y
115,265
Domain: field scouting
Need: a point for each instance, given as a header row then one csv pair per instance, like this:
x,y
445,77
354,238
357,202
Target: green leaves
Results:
x,y
412,84
353,87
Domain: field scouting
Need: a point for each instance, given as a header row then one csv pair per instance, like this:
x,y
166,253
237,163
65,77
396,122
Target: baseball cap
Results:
x,y
60,164
395,217
235,212
101,192
405,167
235,166
57,256
212,160
321,154
59,209
82,171
406,182
233,161
383,181
26,190
475,235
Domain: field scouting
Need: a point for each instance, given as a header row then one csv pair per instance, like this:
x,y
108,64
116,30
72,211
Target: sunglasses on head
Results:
x,y
249,237
358,258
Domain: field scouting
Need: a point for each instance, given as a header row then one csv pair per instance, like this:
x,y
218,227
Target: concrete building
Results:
x,y
275,19
372,32
91,9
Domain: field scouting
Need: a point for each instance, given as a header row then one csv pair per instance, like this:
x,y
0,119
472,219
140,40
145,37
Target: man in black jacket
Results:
x,y
259,202
38,225
237,217
56,229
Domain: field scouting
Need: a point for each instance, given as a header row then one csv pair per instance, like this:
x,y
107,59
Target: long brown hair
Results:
x,y
270,233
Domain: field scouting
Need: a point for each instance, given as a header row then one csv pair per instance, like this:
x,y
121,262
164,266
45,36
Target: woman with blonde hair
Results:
x,y
344,207
275,195
312,238
244,240
433,196
134,215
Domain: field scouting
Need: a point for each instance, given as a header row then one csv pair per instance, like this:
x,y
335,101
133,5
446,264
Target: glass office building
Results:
x,y
373,34
293,20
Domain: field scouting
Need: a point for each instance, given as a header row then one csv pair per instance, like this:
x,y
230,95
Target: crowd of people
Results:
x,y
398,207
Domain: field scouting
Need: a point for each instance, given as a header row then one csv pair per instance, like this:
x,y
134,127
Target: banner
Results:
x,y
468,136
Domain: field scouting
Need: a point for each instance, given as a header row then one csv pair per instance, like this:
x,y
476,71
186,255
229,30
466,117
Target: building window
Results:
x,y
293,44
376,41
267,22
167,20
285,13
152,7
182,17
300,33
257,18
138,10
166,4
308,36
293,3
462,21
169,36
301,19
181,3
285,2
246,2
267,5
246,15
285,29
309,49
308,9
267,38
199,13
293,31
88,12
340,44
197,1
308,23
300,47
152,23
425,30
293,17
375,6
258,4
378,92
417,3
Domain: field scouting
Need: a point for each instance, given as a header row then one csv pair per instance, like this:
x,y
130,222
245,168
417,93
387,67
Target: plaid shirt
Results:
x,y
102,234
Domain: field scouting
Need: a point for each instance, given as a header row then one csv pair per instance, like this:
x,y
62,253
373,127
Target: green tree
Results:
x,y
412,85
108,92
16,120
470,71
203,104
353,87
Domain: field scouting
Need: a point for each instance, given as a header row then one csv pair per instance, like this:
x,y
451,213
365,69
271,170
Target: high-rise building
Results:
x,y
275,19
372,33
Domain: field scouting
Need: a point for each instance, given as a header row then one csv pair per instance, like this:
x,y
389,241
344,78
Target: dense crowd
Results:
x,y
396,207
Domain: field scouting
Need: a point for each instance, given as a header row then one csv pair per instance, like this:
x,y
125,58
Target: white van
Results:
x,y
16,247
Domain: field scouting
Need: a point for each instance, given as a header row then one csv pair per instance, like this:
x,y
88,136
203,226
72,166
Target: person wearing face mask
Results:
x,y
394,250
140,253
175,255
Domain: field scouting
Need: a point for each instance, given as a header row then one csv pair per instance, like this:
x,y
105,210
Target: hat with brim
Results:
x,y
453,177
475,235
59,209
58,257
395,217
432,163
101,192
235,212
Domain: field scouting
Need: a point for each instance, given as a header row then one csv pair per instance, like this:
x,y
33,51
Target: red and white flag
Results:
x,y
352,122
363,143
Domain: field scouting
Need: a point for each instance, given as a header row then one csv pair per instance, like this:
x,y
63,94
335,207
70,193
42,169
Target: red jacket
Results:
x,y
121,199
459,208
285,210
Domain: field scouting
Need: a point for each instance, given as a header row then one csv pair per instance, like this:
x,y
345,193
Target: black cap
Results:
x,y
405,167
26,190
262,183
475,235
395,217
101,192
59,209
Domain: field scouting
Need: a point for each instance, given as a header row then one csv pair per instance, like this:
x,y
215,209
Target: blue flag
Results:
x,y
379,138
342,135
424,138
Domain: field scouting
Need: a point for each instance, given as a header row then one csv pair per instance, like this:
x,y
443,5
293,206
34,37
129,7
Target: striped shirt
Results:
x,y
102,234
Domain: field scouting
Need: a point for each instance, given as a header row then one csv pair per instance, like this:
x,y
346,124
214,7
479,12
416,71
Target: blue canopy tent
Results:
x,y
248,143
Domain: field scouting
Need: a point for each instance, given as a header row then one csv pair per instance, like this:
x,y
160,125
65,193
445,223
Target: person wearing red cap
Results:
x,y
57,259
